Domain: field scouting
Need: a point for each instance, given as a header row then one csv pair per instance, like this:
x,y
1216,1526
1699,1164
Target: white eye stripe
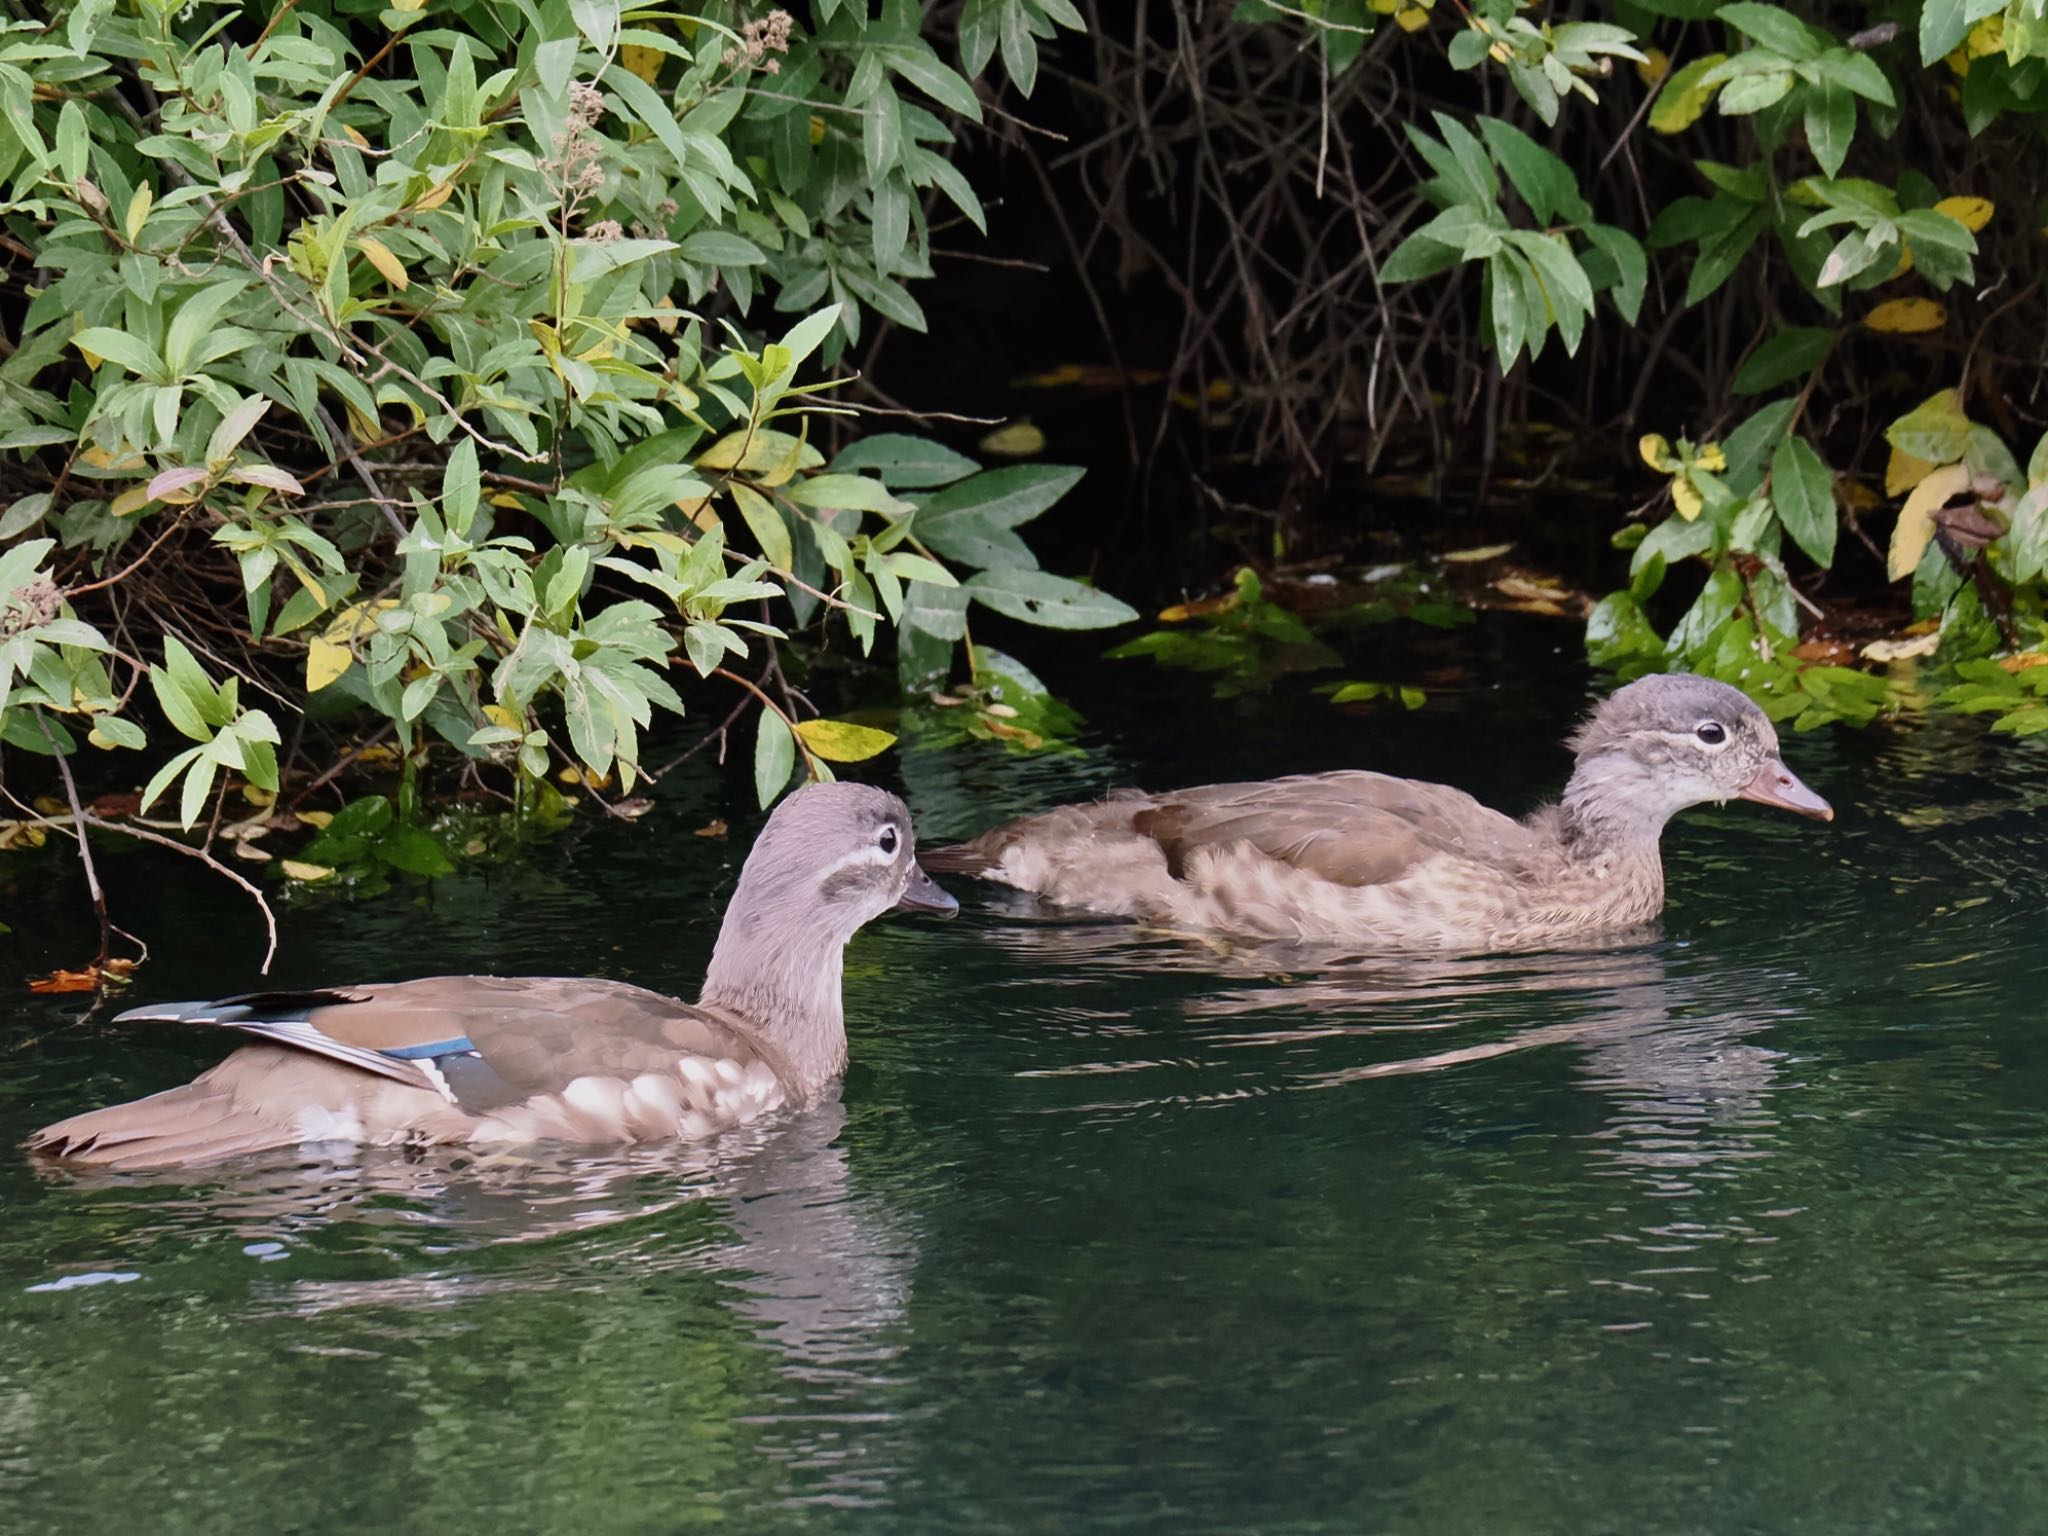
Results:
x,y
867,853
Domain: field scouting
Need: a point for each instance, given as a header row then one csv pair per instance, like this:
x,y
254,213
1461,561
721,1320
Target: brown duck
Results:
x,y
494,1060
1365,858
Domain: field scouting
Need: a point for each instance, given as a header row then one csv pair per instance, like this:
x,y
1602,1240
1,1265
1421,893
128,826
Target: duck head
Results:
x,y
1669,741
832,858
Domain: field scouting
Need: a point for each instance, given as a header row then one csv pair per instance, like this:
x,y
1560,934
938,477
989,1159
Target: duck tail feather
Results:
x,y
197,1124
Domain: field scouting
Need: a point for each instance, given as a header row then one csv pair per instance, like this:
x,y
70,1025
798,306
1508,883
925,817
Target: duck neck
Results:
x,y
1611,808
780,973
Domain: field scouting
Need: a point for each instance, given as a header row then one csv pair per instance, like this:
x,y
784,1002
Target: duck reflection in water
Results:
x,y
1667,1042
821,1269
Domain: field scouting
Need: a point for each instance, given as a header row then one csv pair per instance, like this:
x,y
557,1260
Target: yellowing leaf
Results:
x,y
771,457
1973,213
138,211
355,137
306,872
1683,98
315,819
841,741
130,501
99,458
380,257
1907,317
644,62
325,661
1653,66
1903,650
1019,440
499,715
1656,451
817,129
1710,457
1686,497
435,197
357,620
1411,19
1916,520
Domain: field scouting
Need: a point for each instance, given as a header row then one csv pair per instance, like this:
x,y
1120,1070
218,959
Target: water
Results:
x,y
1742,1228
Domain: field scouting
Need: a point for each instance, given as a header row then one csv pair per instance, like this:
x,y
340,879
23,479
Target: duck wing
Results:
x,y
1350,828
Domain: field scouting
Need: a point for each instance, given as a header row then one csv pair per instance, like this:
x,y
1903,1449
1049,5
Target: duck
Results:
x,y
502,1060
1360,858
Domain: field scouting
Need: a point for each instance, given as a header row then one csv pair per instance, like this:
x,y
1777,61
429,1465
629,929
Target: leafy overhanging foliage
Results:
x,y
444,371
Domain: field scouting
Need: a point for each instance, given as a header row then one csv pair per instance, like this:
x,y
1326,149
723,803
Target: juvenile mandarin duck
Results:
x,y
487,1059
1364,858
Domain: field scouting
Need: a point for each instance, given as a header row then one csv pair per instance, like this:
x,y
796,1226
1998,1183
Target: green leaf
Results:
x,y
120,348
1545,182
414,850
1417,257
112,731
970,520
1778,30
905,462
721,248
1791,354
1038,597
1935,430
881,133
853,493
1830,124
1753,92
764,518
351,834
461,488
774,756
1943,24
1803,492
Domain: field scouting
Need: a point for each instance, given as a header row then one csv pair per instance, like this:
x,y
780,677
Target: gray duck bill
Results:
x,y
924,894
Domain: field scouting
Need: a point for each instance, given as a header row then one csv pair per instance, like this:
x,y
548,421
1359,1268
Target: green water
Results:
x,y
1740,1228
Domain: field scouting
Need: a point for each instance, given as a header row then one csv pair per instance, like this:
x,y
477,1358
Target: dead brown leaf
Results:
x,y
87,980
715,828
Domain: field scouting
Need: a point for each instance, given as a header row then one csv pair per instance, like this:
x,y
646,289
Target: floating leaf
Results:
x,y
307,872
1916,520
841,741
1907,317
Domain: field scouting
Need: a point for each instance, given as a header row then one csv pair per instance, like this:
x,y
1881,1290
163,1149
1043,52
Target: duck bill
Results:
x,y
1775,784
923,894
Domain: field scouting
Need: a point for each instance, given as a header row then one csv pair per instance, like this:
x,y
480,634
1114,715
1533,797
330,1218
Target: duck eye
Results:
x,y
888,841
1712,733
